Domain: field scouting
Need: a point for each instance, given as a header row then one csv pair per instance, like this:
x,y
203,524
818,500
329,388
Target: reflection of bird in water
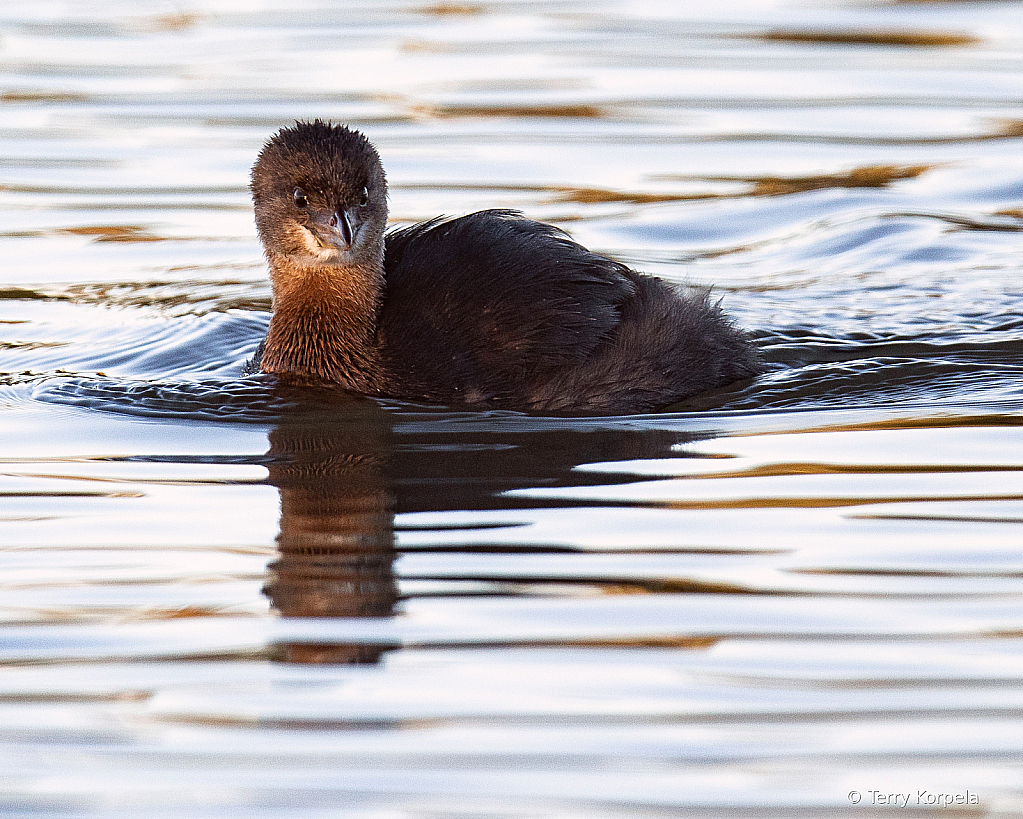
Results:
x,y
344,466
336,538
488,310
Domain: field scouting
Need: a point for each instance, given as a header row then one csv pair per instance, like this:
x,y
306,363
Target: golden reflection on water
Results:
x,y
869,176
879,37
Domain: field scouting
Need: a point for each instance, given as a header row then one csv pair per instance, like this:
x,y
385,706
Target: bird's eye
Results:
x,y
364,197
299,197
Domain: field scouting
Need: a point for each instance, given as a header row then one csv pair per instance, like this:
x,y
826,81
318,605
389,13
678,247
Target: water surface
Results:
x,y
222,598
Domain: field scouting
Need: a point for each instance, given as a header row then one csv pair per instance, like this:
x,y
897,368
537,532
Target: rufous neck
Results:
x,y
324,323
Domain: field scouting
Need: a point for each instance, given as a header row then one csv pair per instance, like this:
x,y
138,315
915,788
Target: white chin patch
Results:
x,y
317,253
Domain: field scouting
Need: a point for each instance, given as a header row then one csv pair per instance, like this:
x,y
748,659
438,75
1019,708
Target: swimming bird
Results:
x,y
488,310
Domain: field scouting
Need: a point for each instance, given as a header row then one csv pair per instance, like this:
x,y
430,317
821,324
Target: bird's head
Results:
x,y
320,196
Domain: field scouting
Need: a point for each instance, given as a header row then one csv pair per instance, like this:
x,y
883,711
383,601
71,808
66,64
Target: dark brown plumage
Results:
x,y
486,310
